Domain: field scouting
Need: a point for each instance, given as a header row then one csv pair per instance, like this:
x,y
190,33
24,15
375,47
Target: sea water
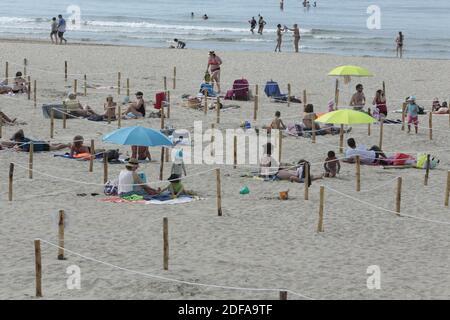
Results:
x,y
333,26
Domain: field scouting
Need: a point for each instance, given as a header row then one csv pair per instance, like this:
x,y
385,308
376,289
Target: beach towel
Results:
x,y
179,200
209,88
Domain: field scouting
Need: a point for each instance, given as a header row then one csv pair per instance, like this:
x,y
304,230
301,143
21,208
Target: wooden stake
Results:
x,y
166,243
29,88
447,190
280,145
165,83
61,235
85,85
384,89
161,167
128,87
255,107
289,95
368,126
119,76
336,94
65,70
168,104
205,93
35,93
65,118
403,115
234,152
91,160
313,131
398,198
11,179
7,72
427,172
218,110
38,267
358,173
306,181
1,128
213,131
219,193
341,139
174,77
105,167
119,118
283,295
380,143
75,86
322,196
52,122
430,125
30,161
305,102
25,63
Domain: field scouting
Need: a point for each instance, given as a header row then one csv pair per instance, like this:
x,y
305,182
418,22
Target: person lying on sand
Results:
x,y
136,109
176,188
77,146
21,143
130,183
297,173
75,108
4,88
367,156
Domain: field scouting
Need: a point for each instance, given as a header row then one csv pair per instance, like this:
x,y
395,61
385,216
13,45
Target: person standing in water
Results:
x,y
54,32
281,5
252,25
279,38
296,31
261,24
399,42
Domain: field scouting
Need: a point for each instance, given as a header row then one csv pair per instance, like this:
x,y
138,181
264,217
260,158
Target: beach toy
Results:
x,y
247,125
244,190
284,195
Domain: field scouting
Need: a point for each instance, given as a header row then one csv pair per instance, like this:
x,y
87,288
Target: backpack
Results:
x,y
241,90
111,187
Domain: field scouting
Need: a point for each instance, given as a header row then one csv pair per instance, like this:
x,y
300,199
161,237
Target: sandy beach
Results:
x,y
260,242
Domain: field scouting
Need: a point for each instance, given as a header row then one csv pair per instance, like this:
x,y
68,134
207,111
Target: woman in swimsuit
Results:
x,y
214,63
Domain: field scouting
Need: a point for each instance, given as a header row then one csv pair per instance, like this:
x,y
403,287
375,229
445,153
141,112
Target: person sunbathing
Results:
x,y
136,109
443,109
4,88
74,107
77,147
21,143
176,188
367,156
130,183
20,84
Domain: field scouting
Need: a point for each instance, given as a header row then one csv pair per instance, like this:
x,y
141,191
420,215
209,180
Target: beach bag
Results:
x,y
207,77
241,89
111,187
111,155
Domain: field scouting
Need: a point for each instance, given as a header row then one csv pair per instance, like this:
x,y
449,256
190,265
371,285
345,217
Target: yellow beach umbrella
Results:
x,y
346,116
354,71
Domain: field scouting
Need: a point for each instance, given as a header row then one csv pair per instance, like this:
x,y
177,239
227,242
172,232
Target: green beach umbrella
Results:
x,y
353,71
346,116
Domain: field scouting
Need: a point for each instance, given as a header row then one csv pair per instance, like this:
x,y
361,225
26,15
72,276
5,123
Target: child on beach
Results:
x,y
332,165
276,123
178,167
412,110
176,188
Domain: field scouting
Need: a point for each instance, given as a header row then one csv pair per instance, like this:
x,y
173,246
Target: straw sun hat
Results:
x,y
132,162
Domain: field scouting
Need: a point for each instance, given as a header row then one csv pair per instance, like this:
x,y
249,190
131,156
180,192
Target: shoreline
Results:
x,y
100,44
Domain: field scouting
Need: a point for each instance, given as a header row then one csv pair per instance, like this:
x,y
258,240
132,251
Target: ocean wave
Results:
x,y
10,20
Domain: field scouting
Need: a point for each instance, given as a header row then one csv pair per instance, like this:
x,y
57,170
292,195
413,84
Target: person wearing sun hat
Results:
x,y
412,110
130,182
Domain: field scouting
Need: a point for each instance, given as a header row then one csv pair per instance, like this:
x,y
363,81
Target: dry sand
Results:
x,y
260,242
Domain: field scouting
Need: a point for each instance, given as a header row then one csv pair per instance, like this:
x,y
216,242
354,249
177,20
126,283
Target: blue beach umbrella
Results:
x,y
137,136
